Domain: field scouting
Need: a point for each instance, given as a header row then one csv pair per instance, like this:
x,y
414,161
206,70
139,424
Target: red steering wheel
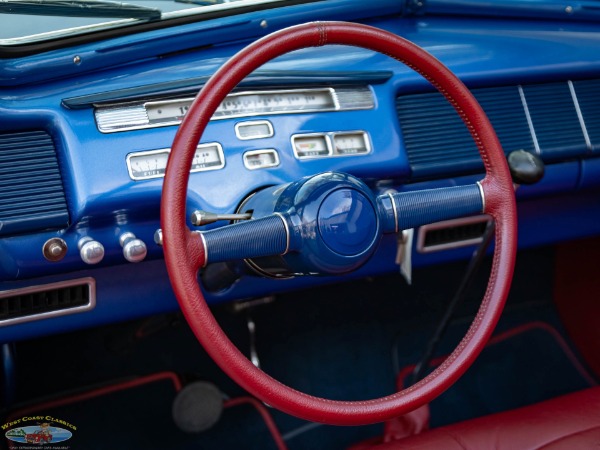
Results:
x,y
184,252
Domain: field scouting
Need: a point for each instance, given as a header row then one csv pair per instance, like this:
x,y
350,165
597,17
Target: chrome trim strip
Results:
x,y
421,248
203,239
536,145
89,281
391,196
586,136
287,233
482,193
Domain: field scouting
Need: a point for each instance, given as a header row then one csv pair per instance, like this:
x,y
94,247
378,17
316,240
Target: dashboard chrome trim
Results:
x,y
134,115
586,136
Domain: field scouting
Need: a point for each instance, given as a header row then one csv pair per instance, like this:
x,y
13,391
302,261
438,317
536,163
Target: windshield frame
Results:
x,y
42,42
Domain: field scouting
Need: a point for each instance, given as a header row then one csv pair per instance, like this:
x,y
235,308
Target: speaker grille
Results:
x,y
32,196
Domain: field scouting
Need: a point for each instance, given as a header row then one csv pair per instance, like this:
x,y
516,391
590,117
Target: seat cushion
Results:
x,y
568,422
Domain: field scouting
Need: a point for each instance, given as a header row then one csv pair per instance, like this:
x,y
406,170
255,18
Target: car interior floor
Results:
x,y
350,341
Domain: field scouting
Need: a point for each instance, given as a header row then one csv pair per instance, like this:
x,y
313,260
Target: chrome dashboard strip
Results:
x,y
586,136
189,87
536,145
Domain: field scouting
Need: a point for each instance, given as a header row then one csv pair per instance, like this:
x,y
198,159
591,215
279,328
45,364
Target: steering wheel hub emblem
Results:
x,y
347,222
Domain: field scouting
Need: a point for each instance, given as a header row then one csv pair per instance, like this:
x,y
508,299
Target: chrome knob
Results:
x,y
134,250
158,237
91,251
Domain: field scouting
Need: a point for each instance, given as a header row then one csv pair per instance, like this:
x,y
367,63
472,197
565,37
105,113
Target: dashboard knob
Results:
x,y
134,250
158,237
91,251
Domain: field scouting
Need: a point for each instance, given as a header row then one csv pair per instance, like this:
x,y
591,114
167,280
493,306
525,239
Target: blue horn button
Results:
x,y
347,222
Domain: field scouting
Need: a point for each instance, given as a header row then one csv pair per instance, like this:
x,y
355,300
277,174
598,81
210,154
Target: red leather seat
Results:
x,y
568,422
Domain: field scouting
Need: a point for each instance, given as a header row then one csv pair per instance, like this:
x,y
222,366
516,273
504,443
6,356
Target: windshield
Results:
x,y
29,21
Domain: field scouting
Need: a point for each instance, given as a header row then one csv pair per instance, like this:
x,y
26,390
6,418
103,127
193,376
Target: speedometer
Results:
x,y
137,115
243,104
249,103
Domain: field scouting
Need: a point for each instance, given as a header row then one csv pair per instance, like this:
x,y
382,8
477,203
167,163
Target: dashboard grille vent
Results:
x,y
39,302
538,118
31,191
554,119
588,96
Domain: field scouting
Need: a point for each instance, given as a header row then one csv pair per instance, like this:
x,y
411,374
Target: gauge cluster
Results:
x,y
146,165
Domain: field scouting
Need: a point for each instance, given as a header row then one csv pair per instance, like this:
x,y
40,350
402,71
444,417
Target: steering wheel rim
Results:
x,y
182,246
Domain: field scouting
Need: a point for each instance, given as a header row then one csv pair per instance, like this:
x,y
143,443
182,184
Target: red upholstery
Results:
x,y
568,422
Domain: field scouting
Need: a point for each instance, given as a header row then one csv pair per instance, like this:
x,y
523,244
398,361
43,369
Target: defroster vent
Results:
x,y
32,196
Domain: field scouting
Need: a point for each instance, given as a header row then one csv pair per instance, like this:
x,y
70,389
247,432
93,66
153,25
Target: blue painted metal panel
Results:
x,y
590,174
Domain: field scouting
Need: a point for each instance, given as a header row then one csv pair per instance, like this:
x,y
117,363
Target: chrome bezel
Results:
x,y
423,230
325,136
168,152
91,285
330,143
251,123
271,151
366,140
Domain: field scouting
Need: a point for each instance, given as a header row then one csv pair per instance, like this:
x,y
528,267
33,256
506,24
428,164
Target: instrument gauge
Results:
x,y
153,163
145,165
208,157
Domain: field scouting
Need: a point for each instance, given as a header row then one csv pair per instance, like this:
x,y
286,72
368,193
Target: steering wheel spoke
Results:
x,y
405,210
266,236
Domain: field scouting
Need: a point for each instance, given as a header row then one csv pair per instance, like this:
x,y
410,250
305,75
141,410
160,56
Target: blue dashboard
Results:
x,y
73,175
